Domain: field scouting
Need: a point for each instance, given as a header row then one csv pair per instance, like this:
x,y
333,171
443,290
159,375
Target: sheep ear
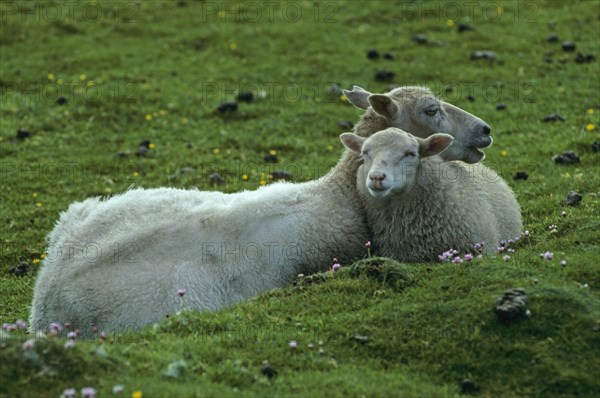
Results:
x,y
434,144
352,141
359,97
384,105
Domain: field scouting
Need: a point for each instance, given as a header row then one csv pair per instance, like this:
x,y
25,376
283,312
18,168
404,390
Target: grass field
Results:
x,y
89,81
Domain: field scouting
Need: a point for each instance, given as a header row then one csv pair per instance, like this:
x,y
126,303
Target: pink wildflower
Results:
x,y
181,292
69,393
88,392
457,260
293,344
21,324
468,257
335,267
547,255
368,244
117,389
506,257
69,344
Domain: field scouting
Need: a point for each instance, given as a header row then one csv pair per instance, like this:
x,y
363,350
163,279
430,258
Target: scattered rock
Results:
x,y
346,124
22,269
568,157
271,158
145,143
500,107
584,59
512,305
521,175
568,46
61,100
334,89
596,146
463,27
468,386
281,175
22,134
553,38
227,107
488,55
372,54
384,76
268,370
471,98
572,198
361,339
389,56
141,151
419,39
554,117
216,179
245,96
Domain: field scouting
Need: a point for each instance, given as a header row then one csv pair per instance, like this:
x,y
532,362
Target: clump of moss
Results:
x,y
393,274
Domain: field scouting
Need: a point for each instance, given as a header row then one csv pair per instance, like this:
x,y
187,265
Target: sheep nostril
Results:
x,y
377,176
486,130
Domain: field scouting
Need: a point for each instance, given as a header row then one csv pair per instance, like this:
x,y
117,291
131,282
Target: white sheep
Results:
x,y
117,264
418,205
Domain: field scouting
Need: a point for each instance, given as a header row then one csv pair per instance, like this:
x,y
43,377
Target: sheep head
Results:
x,y
418,111
391,157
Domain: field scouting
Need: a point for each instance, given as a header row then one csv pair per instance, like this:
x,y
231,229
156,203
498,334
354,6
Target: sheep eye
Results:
x,y
364,153
432,111
410,153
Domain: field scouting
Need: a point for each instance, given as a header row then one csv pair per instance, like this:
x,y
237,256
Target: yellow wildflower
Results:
x,y
36,261
272,152
503,152
330,147
43,256
35,194
39,204
343,98
136,394
450,23
263,182
162,112
90,83
51,76
216,151
148,117
151,145
135,174
245,177
590,127
233,46
590,111
82,77
59,81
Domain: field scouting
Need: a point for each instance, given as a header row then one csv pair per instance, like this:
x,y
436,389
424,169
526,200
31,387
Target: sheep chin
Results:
x,y
379,193
473,155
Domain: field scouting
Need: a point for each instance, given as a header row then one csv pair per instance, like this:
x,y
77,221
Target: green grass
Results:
x,y
429,326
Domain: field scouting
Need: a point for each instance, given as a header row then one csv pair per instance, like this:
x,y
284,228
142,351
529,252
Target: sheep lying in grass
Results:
x,y
117,264
419,205
416,110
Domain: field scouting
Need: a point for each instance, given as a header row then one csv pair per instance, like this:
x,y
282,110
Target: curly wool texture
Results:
x,y
449,205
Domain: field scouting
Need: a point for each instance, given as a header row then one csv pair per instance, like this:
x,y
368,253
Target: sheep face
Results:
x,y
417,110
391,158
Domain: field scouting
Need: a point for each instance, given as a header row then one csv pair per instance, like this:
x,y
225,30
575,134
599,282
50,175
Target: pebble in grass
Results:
x,y
568,157
227,107
553,117
512,305
216,179
22,269
268,370
22,134
521,175
573,198
596,146
372,54
384,76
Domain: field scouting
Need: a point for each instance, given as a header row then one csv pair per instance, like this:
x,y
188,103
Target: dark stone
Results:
x,y
346,124
596,146
389,56
361,339
590,57
141,151
61,100
145,143
568,157
471,98
334,89
22,134
572,198
268,371
521,175
568,46
584,59
121,154
216,179
372,54
500,107
554,117
281,175
384,76
553,38
420,39
22,269
487,55
468,386
227,107
512,305
245,96
463,27
271,158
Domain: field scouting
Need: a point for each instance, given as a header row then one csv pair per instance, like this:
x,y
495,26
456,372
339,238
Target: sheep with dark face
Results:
x,y
416,110
419,205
